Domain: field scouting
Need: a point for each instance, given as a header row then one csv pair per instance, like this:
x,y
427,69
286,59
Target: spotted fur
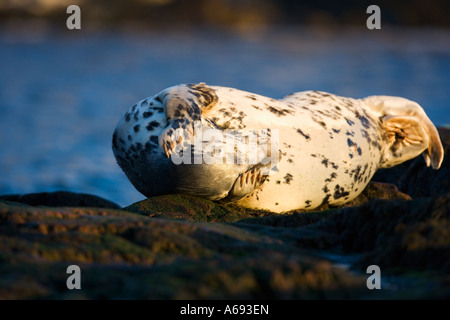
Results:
x,y
330,146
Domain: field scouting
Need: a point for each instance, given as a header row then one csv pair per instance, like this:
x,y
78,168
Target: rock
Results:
x,y
378,190
123,255
410,235
61,199
190,208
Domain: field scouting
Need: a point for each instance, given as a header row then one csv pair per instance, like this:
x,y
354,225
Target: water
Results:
x,y
61,95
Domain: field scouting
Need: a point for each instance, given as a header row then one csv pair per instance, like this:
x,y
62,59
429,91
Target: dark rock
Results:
x,y
131,256
190,208
61,199
378,190
412,235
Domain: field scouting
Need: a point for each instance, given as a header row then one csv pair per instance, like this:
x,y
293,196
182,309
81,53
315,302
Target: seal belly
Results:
x,y
320,165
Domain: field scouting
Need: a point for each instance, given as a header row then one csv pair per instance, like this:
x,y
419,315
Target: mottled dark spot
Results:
x,y
290,161
127,117
136,115
288,178
129,137
178,114
332,176
278,181
147,114
136,128
338,108
154,139
152,125
326,199
158,109
365,135
308,203
325,189
365,122
350,122
158,98
307,137
114,141
339,192
336,130
357,173
279,112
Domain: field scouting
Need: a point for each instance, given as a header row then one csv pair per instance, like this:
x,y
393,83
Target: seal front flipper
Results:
x,y
183,105
246,183
265,155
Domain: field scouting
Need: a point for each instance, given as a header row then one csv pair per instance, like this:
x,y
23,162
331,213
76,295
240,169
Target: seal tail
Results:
x,y
408,130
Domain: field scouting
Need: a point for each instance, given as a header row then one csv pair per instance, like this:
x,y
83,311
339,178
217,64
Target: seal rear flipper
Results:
x,y
408,138
409,131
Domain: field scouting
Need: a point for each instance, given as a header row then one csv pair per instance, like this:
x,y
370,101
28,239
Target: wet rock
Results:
x,y
190,208
378,190
61,199
132,256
